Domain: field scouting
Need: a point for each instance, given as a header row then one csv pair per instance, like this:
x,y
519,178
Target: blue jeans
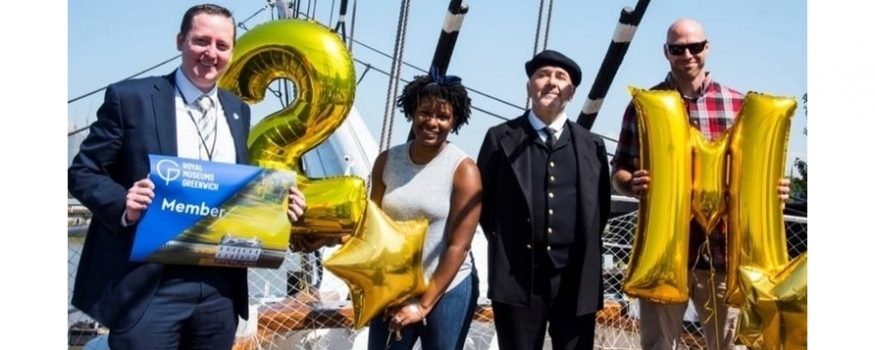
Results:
x,y
448,322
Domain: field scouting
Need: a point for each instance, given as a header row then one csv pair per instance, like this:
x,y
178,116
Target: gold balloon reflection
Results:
x,y
335,205
381,264
709,174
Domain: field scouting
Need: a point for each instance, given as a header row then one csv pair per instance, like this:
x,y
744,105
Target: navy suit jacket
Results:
x,y
506,217
138,117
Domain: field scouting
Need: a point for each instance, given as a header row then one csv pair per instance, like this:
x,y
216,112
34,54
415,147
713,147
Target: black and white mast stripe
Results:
x,y
447,41
449,34
623,34
340,27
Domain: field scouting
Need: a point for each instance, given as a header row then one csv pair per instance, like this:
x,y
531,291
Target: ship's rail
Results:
x,y
300,306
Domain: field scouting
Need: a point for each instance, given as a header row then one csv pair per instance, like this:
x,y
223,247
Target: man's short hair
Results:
x,y
210,9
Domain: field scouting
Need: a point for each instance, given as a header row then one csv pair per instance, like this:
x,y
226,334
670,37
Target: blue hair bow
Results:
x,y
442,79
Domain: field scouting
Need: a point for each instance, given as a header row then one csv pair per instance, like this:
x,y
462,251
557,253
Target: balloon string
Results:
x,y
711,303
392,333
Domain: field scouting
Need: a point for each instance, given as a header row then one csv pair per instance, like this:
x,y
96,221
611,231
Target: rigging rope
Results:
x,y
370,67
278,94
547,26
492,114
389,115
352,25
537,38
331,13
537,32
128,78
241,25
367,68
425,71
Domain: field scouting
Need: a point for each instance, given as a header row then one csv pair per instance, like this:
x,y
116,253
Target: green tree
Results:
x,y
799,185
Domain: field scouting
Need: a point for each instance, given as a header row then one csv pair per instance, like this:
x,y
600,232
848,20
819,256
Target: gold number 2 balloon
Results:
x,y
382,262
688,179
316,60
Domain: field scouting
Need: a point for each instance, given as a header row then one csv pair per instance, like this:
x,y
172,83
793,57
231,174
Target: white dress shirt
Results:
x,y
188,140
557,125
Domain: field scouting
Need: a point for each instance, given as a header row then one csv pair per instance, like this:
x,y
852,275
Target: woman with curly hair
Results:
x,y
431,177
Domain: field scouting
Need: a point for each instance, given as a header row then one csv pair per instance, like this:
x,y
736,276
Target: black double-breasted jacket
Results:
x,y
505,163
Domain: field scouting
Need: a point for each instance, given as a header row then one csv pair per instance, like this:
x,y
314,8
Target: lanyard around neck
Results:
x,y
212,148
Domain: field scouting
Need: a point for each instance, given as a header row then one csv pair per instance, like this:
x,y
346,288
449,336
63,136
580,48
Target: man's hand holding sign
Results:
x,y
208,213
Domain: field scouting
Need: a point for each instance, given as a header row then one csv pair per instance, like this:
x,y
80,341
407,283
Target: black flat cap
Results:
x,y
556,59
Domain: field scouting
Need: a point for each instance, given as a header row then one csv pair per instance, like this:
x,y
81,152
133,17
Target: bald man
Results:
x,y
711,108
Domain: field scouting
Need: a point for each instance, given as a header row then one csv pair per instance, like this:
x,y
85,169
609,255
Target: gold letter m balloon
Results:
x,y
689,180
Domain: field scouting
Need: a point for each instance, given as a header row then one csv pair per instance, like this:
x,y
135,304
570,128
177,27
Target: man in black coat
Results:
x,y
546,200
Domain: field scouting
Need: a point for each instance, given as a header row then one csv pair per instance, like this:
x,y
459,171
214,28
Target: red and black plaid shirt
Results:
x,y
713,111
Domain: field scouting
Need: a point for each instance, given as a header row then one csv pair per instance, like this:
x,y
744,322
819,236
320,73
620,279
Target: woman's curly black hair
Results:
x,y
424,86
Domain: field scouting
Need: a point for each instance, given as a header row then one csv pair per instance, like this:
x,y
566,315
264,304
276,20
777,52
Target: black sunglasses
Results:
x,y
678,49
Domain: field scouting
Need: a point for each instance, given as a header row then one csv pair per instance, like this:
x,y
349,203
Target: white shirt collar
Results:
x,y
189,91
558,124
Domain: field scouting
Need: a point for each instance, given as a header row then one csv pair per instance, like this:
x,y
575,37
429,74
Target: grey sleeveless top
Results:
x,y
416,191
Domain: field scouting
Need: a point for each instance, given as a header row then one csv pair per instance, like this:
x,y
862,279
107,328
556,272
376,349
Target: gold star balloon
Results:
x,y
775,310
381,263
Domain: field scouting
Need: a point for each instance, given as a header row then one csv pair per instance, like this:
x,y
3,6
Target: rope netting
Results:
x,y
302,306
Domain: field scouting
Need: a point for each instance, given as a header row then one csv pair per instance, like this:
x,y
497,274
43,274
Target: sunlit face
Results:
x,y
686,64
206,49
550,89
432,122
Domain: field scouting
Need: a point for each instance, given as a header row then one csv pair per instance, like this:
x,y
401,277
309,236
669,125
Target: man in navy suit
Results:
x,y
150,305
546,200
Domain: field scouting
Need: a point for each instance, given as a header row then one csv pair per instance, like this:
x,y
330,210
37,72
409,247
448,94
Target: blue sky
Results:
x,y
755,46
